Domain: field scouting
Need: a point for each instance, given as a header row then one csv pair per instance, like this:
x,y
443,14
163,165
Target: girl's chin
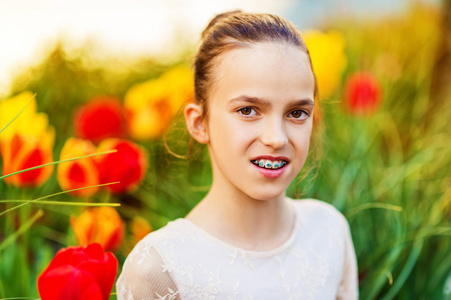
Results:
x,y
267,195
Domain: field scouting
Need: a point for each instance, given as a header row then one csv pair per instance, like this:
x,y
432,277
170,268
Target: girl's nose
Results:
x,y
273,134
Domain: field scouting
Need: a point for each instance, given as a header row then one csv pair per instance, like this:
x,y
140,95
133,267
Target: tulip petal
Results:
x,y
151,105
362,93
69,283
99,225
35,158
81,172
79,273
127,165
328,58
22,152
61,258
94,251
116,236
103,271
99,119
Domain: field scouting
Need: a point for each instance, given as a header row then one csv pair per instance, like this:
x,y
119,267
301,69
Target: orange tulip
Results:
x,y
140,228
101,225
27,142
78,173
21,153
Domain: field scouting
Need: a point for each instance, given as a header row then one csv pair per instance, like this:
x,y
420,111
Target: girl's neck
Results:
x,y
235,218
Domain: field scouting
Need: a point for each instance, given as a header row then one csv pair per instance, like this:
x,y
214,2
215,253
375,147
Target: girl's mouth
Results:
x,y
269,164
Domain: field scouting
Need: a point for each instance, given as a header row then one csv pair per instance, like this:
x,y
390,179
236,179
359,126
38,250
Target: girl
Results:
x,y
255,98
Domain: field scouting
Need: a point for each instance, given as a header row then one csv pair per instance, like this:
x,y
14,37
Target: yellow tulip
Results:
x,y
27,142
28,123
150,106
328,58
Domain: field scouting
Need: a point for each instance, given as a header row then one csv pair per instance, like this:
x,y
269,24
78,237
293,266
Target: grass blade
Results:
x,y
25,202
372,205
66,203
411,261
57,162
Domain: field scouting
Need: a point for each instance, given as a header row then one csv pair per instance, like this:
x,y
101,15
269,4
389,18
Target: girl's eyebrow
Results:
x,y
302,102
253,100
267,103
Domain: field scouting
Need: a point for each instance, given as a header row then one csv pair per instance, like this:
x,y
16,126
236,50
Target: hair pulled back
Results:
x,y
236,29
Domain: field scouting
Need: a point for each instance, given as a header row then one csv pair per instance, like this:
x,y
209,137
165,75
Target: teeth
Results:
x,y
268,164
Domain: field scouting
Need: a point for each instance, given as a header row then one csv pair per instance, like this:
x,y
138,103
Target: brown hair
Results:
x,y
236,29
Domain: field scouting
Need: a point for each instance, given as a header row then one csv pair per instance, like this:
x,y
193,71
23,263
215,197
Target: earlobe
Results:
x,y
196,123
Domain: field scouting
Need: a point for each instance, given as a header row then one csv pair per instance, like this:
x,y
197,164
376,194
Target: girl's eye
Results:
x,y
299,114
247,111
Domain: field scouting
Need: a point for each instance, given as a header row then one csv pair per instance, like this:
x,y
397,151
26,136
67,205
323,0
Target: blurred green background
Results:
x,y
387,169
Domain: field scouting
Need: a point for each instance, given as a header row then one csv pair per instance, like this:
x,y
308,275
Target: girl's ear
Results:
x,y
196,123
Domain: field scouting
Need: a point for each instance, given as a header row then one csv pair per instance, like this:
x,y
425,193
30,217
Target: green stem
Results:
x,y
21,230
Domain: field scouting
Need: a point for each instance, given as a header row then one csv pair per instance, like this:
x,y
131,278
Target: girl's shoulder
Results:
x,y
149,255
145,271
316,210
173,230
314,204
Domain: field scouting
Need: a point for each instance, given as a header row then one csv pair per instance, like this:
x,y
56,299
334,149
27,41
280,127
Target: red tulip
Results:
x,y
128,165
79,273
99,119
362,93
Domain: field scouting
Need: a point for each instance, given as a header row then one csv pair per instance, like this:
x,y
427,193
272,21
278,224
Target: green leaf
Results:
x,y
21,230
411,261
364,206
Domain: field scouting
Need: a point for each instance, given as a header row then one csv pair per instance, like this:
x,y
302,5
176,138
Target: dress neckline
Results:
x,y
250,253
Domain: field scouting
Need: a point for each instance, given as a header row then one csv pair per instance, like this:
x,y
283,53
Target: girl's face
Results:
x,y
260,119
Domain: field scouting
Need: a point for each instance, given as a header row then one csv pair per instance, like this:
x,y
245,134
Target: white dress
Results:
x,y
183,261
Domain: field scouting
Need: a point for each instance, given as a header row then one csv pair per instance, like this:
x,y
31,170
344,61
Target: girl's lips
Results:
x,y
271,173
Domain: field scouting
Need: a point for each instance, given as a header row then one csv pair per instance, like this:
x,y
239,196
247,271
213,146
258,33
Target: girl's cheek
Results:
x,y
297,130
241,136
